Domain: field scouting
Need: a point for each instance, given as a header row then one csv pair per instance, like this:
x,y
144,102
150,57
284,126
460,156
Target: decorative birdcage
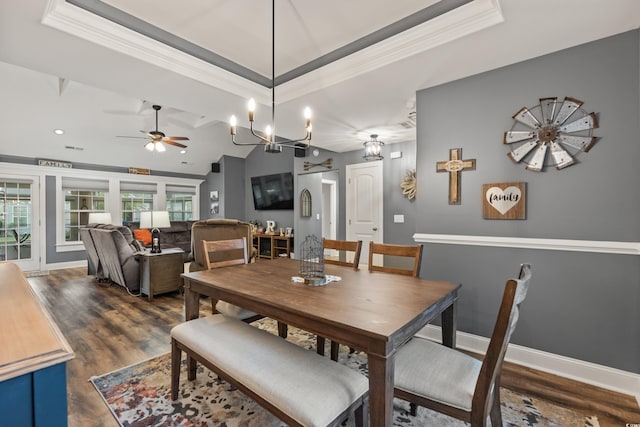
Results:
x,y
312,261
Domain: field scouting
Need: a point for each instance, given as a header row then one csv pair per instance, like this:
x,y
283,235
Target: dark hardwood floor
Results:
x,y
109,329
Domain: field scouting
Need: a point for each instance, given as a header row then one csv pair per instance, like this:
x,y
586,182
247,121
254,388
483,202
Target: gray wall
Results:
x,y
260,163
580,305
229,183
233,169
393,171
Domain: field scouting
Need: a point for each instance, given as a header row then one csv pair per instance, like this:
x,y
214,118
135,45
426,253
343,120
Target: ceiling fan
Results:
x,y
158,139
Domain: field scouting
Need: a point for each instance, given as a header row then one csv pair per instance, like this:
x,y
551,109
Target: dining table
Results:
x,y
371,312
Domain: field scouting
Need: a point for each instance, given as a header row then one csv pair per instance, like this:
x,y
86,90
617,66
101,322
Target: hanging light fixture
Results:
x,y
269,140
373,149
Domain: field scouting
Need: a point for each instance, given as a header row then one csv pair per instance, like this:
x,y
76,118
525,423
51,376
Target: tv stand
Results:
x,y
273,246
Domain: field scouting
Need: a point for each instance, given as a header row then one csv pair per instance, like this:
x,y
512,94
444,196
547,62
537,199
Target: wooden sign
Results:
x,y
454,166
139,171
505,200
54,163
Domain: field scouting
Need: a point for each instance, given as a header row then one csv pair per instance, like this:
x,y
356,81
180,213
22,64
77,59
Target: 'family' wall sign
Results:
x,y
505,200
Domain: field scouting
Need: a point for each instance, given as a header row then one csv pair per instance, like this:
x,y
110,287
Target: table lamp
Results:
x,y
155,220
99,218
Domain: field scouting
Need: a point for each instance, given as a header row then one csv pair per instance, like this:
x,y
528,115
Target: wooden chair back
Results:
x,y
409,251
488,385
346,246
235,252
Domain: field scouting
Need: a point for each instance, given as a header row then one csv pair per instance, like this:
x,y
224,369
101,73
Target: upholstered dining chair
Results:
x,y
223,253
407,251
456,384
345,247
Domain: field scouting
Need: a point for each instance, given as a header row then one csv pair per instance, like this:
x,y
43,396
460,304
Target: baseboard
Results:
x,y
579,370
68,264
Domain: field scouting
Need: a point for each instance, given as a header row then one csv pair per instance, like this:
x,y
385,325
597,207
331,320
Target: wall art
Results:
x,y
505,200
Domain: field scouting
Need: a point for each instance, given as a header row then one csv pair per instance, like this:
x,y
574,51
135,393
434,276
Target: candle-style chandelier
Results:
x,y
269,140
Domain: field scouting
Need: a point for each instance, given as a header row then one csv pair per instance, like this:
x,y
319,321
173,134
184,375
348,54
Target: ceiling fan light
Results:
x,y
160,148
149,146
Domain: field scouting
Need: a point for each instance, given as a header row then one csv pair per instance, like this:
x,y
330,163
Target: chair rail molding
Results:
x,y
597,246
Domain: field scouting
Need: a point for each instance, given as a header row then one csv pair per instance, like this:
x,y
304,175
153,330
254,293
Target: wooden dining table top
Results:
x,y
377,306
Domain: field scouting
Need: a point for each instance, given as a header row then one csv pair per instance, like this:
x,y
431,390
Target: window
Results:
x,y
133,203
81,196
136,197
77,206
180,202
122,196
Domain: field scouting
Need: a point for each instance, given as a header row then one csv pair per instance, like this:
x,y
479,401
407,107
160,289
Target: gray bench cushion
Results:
x,y
308,387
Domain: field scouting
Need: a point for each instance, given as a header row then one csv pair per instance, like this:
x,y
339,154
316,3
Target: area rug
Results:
x,y
139,395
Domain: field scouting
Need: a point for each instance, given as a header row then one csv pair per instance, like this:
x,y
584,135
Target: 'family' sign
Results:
x,y
505,200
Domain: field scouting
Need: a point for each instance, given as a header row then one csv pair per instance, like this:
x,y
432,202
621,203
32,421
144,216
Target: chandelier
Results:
x,y
373,149
269,140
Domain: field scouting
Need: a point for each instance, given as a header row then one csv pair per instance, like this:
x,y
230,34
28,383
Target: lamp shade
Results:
x,y
154,219
100,218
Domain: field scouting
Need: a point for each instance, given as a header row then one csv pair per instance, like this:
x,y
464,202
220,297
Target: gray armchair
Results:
x,y
217,229
116,250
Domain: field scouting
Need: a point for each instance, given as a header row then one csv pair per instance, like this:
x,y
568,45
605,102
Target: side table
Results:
x,y
160,272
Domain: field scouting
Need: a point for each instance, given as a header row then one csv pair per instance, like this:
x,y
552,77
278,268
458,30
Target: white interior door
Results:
x,y
364,205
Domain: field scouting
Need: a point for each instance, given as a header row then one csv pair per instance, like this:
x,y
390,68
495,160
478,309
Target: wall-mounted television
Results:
x,y
273,192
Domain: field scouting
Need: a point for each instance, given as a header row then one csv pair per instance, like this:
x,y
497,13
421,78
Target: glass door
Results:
x,y
17,201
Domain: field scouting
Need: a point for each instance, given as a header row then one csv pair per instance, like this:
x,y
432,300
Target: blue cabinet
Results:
x,y
33,356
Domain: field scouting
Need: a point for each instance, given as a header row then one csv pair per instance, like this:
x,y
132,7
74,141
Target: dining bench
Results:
x,y
296,385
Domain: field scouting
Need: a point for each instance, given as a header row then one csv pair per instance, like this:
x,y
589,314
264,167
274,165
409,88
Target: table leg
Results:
x,y
449,326
381,380
191,303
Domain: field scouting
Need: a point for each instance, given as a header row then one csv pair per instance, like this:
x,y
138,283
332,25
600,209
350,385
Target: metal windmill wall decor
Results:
x,y
562,127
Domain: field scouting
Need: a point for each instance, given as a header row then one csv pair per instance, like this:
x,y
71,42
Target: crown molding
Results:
x,y
460,22
80,23
597,246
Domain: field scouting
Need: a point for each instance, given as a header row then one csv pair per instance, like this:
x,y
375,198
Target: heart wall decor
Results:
x,y
505,200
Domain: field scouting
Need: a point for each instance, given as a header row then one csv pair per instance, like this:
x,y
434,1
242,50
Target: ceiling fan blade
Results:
x,y
175,144
175,138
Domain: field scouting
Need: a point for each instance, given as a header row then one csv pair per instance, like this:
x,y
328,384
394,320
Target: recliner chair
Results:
x,y
116,249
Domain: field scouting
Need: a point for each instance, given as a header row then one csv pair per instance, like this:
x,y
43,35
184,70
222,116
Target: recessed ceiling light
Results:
x,y
183,151
58,131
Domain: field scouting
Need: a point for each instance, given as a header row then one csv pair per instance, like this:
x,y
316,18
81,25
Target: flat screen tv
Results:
x,y
273,192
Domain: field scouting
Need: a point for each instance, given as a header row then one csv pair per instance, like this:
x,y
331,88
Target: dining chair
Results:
x,y
345,247
405,251
224,253
451,382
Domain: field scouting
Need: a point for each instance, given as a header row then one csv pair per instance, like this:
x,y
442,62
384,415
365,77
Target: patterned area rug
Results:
x,y
139,395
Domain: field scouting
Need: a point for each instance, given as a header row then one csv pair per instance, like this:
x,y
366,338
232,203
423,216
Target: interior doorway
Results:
x,y
329,211
364,210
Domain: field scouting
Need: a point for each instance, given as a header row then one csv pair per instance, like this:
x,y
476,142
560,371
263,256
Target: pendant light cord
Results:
x,y
273,68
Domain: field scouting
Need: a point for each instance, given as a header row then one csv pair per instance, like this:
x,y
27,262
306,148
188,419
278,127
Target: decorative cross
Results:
x,y
454,166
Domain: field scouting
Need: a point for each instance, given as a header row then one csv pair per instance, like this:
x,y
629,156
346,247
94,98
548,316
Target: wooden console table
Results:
x,y
33,356
271,247
160,272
